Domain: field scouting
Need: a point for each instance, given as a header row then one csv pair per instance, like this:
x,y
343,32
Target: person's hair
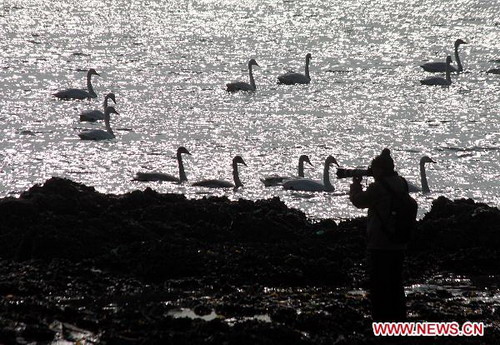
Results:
x,y
384,161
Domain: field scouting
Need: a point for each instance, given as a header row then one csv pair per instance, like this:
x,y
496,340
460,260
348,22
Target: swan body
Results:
x,y
292,78
154,176
79,93
423,177
242,86
276,180
441,66
223,183
494,71
99,134
95,115
434,81
309,185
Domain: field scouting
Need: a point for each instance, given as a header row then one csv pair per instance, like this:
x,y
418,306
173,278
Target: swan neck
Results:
x,y
182,173
326,177
423,178
108,125
89,85
301,168
252,81
105,104
236,176
307,68
459,63
448,72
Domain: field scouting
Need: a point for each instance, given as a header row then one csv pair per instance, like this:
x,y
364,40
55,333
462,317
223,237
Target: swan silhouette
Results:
x,y
242,86
223,183
441,66
147,176
309,185
291,78
99,134
423,177
94,115
494,71
439,80
276,180
79,93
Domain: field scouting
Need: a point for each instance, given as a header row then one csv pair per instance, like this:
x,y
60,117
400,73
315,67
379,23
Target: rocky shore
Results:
x,y
150,268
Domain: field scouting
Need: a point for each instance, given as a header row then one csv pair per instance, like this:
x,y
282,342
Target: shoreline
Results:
x,y
222,260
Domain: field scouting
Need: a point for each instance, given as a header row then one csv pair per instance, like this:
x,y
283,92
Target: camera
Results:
x,y
345,173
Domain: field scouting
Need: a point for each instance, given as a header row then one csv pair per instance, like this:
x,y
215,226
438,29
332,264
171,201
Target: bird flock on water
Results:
x,y
299,182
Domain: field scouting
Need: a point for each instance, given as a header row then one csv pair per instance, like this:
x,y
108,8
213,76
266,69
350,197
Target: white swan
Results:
x,y
291,78
439,80
79,93
242,86
99,134
441,66
313,185
140,176
423,177
224,183
94,115
276,180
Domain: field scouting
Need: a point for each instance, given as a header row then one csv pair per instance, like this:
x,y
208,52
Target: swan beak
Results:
x,y
433,161
243,162
188,153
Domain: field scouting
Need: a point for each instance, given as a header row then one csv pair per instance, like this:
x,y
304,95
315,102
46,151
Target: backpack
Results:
x,y
402,221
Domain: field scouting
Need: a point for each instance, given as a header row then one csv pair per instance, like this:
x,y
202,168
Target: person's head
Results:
x,y
383,165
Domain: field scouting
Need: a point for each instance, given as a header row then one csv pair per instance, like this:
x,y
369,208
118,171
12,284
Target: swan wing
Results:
x,y
413,188
91,115
275,180
214,184
145,176
239,86
291,78
73,94
96,135
437,67
435,81
304,185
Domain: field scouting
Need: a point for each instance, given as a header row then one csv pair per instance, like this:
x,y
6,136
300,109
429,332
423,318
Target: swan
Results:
x,y
242,86
79,93
313,185
224,183
423,176
291,78
494,71
276,180
140,176
99,134
441,66
439,80
94,115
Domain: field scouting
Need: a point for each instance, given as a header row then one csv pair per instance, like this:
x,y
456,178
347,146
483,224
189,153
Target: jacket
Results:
x,y
378,200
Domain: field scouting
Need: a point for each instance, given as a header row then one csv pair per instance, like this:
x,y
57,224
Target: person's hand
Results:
x,y
357,179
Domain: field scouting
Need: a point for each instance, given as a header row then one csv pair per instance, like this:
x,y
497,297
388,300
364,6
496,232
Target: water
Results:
x,y
168,61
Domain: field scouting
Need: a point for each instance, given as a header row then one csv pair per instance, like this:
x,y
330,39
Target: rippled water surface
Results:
x,y
168,61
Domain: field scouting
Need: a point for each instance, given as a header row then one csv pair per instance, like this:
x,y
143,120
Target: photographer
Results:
x,y
385,256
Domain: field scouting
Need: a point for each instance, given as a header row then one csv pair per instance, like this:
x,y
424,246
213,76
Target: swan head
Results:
x,y
182,149
111,96
252,62
110,110
459,42
92,72
305,158
240,160
308,56
331,160
426,159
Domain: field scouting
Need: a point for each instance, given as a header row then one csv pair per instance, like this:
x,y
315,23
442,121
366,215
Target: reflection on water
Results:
x,y
168,61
